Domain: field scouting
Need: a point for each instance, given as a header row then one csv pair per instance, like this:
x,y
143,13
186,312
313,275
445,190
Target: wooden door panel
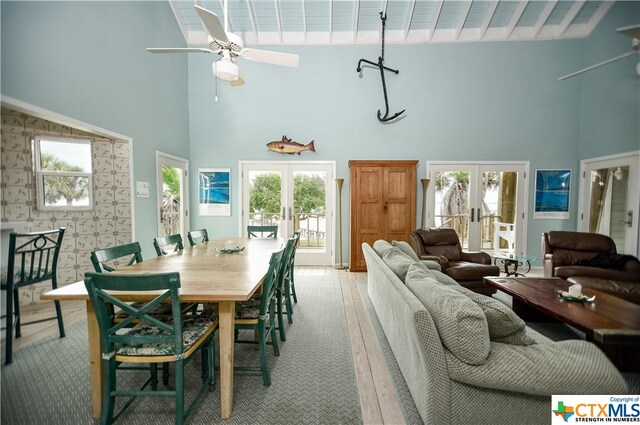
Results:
x,y
369,184
370,216
397,216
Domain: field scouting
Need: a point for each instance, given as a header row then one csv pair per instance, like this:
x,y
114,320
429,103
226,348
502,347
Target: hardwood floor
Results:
x,y
378,400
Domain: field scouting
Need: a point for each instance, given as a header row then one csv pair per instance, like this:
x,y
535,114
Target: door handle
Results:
x,y
479,214
284,213
290,213
161,216
385,207
629,220
473,211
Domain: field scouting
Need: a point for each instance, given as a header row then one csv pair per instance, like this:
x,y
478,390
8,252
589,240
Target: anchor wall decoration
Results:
x,y
380,65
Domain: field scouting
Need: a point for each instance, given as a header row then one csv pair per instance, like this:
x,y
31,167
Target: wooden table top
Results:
x,y
605,312
205,274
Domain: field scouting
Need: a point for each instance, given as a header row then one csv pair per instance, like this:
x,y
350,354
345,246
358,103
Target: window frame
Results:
x,y
40,174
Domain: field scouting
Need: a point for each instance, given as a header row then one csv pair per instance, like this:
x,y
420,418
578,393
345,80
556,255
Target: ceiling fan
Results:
x,y
631,31
229,47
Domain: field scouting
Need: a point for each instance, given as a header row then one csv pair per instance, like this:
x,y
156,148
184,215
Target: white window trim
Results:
x,y
40,204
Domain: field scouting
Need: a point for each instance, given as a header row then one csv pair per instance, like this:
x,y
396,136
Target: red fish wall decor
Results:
x,y
289,147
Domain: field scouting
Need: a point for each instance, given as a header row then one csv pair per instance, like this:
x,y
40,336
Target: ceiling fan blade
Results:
x,y
631,31
275,58
180,50
598,65
237,82
212,23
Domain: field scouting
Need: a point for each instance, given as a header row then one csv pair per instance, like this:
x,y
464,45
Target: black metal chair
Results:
x,y
33,258
172,240
271,231
198,236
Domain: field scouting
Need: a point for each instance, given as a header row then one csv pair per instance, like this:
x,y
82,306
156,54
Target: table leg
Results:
x,y
227,313
95,360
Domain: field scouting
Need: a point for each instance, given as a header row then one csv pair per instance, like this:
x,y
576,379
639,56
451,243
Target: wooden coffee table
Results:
x,y
610,322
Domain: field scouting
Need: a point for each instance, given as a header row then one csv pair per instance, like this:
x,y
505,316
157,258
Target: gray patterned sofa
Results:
x,y
466,358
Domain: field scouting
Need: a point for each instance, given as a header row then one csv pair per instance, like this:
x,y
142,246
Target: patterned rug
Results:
x,y
313,380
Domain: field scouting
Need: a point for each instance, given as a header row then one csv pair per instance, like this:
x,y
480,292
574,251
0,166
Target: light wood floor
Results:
x,y
378,400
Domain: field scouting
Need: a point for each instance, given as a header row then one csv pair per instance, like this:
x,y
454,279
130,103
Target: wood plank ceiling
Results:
x,y
408,21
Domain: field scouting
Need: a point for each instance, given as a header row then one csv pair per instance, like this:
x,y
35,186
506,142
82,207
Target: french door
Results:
x,y
173,194
484,203
295,196
609,199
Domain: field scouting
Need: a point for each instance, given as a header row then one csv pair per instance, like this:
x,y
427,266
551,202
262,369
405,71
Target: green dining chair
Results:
x,y
32,258
175,241
283,292
150,341
270,231
198,236
258,314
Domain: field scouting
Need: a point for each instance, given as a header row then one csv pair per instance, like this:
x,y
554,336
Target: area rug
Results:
x,y
313,379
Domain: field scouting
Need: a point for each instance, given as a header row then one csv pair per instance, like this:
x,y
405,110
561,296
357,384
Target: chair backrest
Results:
x,y
100,257
198,236
99,286
441,241
271,281
289,257
570,247
271,231
160,243
33,257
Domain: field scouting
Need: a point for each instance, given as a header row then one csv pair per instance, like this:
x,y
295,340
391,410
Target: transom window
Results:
x,y
63,173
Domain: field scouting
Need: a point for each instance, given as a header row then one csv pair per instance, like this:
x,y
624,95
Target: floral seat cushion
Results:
x,y
193,328
249,309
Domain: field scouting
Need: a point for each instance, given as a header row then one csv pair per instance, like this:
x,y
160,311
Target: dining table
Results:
x,y
209,273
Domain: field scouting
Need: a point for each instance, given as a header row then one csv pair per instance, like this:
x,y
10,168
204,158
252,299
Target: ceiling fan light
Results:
x,y
226,70
618,174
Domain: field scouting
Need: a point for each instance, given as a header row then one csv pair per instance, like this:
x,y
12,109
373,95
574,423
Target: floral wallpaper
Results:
x,y
108,224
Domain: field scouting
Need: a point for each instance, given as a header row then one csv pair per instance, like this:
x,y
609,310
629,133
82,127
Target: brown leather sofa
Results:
x,y
591,260
443,246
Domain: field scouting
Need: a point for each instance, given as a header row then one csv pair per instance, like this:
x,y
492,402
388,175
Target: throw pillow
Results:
x,y
398,262
461,324
431,265
444,279
406,248
418,272
381,246
504,325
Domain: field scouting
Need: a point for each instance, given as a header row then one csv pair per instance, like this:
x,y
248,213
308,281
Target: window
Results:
x,y
63,173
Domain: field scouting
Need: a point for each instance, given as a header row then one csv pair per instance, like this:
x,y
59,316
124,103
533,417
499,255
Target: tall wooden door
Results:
x,y
383,204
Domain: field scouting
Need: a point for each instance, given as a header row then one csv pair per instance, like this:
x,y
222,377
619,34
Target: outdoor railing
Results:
x,y
460,223
312,227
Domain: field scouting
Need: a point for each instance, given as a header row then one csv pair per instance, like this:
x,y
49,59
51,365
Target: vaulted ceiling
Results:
x,y
313,22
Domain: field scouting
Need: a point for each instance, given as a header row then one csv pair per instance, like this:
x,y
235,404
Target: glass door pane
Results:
x,y
310,208
499,202
265,199
452,202
170,212
608,206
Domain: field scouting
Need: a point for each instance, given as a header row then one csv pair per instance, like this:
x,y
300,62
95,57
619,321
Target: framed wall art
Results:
x,y
214,191
553,189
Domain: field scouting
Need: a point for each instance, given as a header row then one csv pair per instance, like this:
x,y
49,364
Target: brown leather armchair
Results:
x,y
591,260
443,246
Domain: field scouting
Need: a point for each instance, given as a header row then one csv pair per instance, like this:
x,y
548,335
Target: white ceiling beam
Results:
x,y
463,19
599,14
570,16
356,16
304,20
252,18
330,20
542,19
487,18
276,3
180,19
517,14
436,17
412,8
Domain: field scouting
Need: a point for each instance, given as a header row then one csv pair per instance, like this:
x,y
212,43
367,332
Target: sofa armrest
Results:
x,y
548,265
565,367
476,257
416,243
568,271
440,259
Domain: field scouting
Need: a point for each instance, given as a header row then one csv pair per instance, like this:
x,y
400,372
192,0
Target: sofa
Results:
x,y
591,260
443,246
465,359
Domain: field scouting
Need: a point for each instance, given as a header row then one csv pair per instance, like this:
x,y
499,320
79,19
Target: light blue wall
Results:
x,y
87,61
611,94
480,101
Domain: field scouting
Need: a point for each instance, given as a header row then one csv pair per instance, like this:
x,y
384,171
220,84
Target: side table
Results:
x,y
512,262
